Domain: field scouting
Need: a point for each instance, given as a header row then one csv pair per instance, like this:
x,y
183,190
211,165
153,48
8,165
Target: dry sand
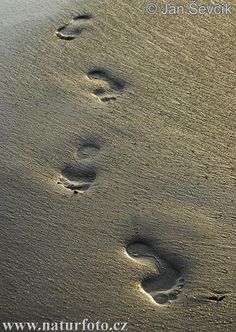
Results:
x,y
117,165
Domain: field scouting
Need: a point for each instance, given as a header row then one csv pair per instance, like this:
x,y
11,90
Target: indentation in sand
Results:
x,y
212,297
110,86
73,29
88,150
166,286
79,179
216,297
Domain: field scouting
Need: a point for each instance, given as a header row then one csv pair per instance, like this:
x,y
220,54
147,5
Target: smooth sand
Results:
x,y
138,111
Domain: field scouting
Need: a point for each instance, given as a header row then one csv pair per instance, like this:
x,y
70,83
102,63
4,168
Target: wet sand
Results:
x,y
117,165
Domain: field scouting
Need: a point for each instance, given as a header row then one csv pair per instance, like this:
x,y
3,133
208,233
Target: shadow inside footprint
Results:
x,y
104,95
78,179
73,29
213,297
166,286
103,75
88,150
113,88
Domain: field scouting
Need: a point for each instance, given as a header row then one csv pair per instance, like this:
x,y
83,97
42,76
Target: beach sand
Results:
x,y
117,165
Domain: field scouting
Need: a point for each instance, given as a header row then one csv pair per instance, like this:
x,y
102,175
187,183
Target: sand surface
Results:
x,y
117,185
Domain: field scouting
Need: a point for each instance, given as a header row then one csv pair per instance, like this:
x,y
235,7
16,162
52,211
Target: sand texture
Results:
x,y
117,165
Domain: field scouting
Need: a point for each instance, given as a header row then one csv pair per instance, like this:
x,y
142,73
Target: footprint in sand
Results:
x,y
77,178
164,288
73,29
109,86
88,150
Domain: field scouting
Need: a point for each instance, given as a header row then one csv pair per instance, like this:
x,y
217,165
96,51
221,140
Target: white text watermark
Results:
x,y
84,326
193,8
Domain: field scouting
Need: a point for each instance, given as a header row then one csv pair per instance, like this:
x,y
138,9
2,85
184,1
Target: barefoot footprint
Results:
x,y
88,150
110,87
74,28
164,288
77,178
